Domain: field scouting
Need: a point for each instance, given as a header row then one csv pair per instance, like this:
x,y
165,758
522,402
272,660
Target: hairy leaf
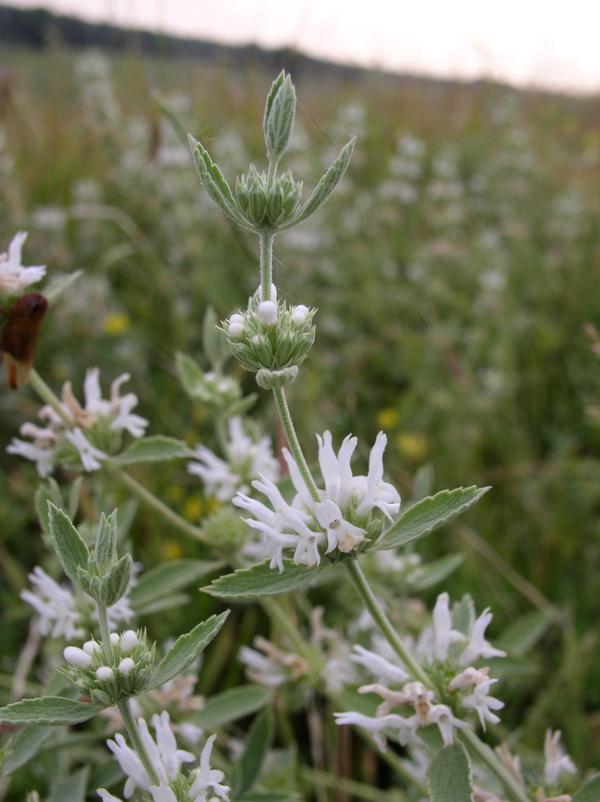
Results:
x,y
154,449
449,776
428,514
70,546
186,648
48,710
327,183
169,578
260,580
231,705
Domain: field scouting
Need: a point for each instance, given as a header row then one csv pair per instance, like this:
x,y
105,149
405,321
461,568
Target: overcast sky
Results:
x,y
552,43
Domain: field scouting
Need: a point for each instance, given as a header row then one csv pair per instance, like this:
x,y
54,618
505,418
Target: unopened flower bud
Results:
x,y
236,326
77,657
129,640
104,673
114,638
267,312
91,647
126,666
299,314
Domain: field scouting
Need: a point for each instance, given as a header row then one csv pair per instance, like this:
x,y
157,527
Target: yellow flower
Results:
x,y
387,418
116,324
193,509
412,445
171,550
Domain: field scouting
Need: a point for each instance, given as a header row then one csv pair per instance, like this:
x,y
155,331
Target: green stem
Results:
x,y
374,607
153,502
293,442
107,646
136,741
47,395
488,756
266,264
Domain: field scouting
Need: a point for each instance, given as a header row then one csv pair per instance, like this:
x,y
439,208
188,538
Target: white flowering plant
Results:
x,y
423,691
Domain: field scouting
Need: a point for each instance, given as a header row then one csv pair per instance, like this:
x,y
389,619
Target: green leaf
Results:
x,y
115,583
23,746
169,578
213,181
153,449
105,549
275,87
258,742
430,574
241,406
428,514
48,710
590,792
523,634
74,494
47,491
214,340
186,648
279,118
190,375
260,580
231,705
449,776
70,546
71,789
327,183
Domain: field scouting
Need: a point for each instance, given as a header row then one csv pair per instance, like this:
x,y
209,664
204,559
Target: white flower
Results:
x,y
207,779
477,645
14,277
104,673
267,312
163,753
116,409
269,666
235,325
299,314
246,459
379,666
557,761
482,703
77,657
443,634
446,722
128,641
55,606
126,666
91,457
339,516
406,727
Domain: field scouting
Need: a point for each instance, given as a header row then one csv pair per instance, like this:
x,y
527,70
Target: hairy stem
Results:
x,y
293,442
136,741
266,264
107,646
372,604
488,756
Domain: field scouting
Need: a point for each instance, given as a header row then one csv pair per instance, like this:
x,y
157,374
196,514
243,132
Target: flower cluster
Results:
x,y
14,276
81,436
457,687
62,613
202,784
109,672
346,513
246,459
271,338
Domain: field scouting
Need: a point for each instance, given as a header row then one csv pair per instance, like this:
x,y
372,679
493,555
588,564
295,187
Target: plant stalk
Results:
x,y
136,741
293,442
266,264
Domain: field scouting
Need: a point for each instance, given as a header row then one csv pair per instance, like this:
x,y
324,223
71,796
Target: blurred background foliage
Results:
x,y
454,271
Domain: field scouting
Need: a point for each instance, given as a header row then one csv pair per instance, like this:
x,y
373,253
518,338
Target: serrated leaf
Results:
x,y
590,792
71,789
523,634
154,449
260,580
105,548
327,183
48,710
430,574
231,705
213,181
186,648
115,583
428,514
70,546
449,776
168,578
258,742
